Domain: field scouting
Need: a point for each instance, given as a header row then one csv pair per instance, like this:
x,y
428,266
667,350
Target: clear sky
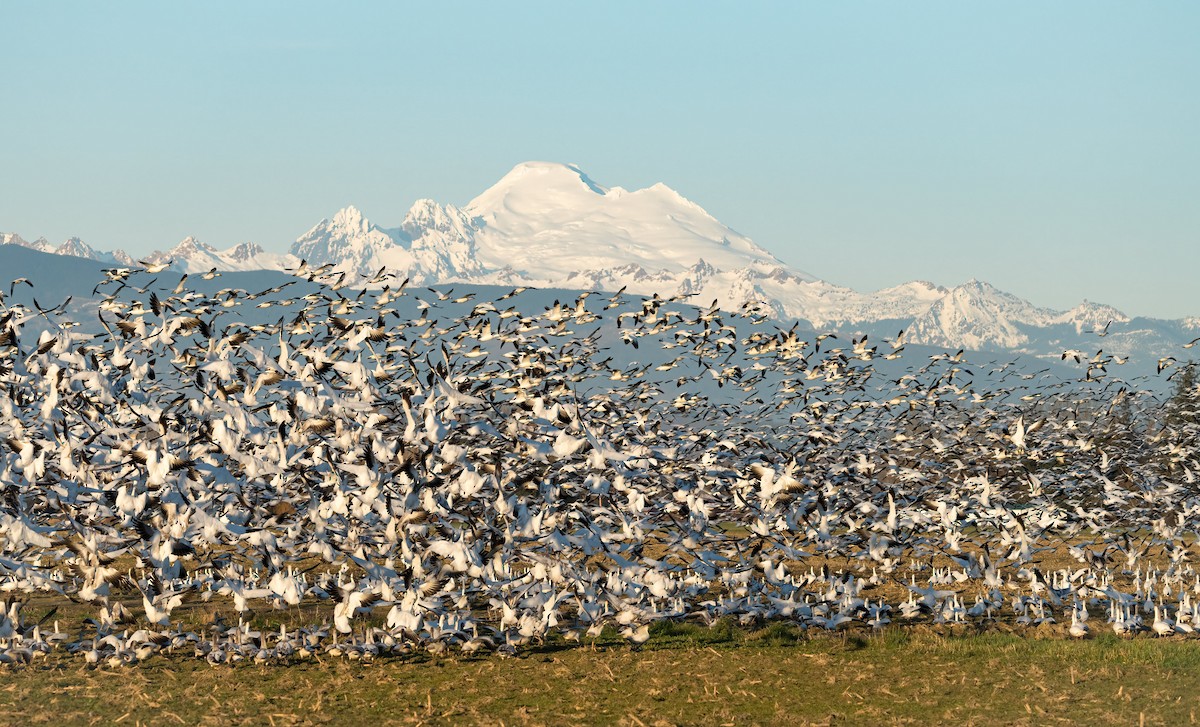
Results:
x,y
1050,148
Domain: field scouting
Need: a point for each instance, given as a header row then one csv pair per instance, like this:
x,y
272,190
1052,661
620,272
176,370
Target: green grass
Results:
x,y
685,675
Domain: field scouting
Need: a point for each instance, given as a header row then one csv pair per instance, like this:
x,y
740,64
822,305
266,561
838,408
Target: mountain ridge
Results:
x,y
545,224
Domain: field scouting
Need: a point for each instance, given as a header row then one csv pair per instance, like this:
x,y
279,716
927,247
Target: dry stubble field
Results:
x,y
685,675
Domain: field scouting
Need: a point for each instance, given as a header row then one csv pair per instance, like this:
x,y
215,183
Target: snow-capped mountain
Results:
x,y
193,256
435,243
41,244
1091,317
975,315
550,225
553,221
73,247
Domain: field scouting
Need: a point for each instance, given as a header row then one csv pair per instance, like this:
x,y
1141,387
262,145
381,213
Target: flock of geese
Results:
x,y
400,470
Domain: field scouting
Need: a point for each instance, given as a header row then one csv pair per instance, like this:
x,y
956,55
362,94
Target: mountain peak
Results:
x,y
551,171
1091,316
554,221
426,215
537,186
41,244
76,248
350,216
188,247
347,223
245,251
979,316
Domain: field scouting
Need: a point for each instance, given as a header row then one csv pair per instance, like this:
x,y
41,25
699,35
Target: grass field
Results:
x,y
685,675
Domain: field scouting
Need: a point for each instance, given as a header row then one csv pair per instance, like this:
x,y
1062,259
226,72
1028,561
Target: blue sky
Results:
x,y
1048,148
